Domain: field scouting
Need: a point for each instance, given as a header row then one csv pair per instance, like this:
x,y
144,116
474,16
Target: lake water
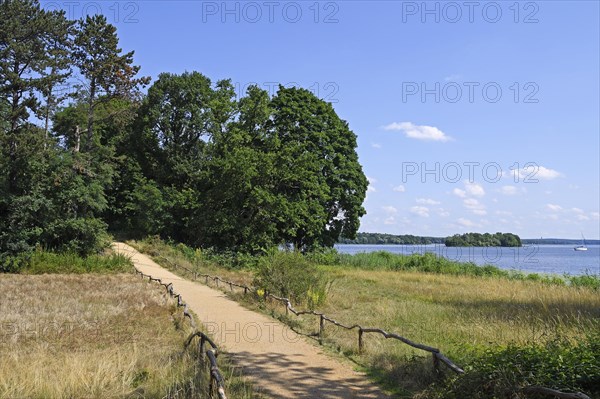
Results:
x,y
557,259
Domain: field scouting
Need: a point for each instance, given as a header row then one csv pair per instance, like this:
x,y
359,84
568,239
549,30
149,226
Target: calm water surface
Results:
x,y
556,259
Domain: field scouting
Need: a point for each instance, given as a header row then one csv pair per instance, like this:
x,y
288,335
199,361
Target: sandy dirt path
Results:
x,y
280,363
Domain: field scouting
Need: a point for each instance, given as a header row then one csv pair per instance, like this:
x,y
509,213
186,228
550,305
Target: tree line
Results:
x,y
392,239
185,160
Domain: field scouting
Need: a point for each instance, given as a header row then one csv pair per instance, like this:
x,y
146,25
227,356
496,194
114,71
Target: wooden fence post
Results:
x,y
202,354
436,363
321,329
360,341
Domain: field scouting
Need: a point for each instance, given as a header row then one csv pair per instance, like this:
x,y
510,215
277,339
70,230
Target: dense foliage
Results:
x,y
187,161
483,240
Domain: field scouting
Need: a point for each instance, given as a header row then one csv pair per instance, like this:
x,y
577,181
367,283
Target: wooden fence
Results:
x,y
216,380
437,356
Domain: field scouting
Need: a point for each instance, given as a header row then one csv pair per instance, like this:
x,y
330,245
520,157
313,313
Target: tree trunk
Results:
x,y
90,121
77,139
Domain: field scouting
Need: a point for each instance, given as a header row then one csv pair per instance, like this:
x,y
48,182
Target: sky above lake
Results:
x,y
470,116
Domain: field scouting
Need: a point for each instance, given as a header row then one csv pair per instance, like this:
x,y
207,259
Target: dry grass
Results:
x,y
83,336
447,310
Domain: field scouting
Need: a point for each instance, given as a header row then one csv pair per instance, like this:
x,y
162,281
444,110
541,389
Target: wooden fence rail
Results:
x,y
216,380
437,356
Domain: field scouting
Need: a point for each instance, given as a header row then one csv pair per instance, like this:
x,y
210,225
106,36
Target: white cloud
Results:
x,y
459,193
582,217
390,221
534,172
547,174
443,213
376,145
475,206
427,201
420,210
399,189
471,203
508,190
595,215
371,187
554,207
504,213
466,222
389,210
419,132
474,189
577,210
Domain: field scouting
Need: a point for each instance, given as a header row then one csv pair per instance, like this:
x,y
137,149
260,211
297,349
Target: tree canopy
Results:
x,y
187,160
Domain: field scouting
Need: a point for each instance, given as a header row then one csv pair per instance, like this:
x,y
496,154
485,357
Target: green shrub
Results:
x,y
586,280
291,275
324,256
502,372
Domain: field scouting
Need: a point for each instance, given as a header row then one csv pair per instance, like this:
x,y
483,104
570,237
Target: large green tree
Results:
x,y
319,179
238,210
248,174
32,62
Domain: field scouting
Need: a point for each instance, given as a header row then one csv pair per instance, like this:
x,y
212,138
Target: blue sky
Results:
x,y
470,116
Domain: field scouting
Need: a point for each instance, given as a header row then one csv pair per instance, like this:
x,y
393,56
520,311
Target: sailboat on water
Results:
x,y
581,247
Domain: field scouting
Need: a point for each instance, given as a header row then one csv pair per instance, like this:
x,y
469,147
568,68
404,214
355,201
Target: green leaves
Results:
x,y
257,172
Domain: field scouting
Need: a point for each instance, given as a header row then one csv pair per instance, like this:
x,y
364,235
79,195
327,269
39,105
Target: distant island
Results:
x,y
483,240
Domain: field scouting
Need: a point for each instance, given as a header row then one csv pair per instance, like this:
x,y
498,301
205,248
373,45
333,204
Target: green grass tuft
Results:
x,y
42,262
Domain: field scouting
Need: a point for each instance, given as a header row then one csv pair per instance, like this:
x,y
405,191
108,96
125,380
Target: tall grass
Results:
x,y
430,263
101,336
89,336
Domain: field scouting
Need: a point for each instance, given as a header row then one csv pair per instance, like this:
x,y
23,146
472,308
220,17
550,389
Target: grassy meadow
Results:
x,y
106,334
475,320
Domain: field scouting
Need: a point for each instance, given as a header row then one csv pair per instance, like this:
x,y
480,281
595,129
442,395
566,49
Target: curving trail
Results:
x,y
280,363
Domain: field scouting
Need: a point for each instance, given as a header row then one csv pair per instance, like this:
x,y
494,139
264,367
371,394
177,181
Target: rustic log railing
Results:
x,y
216,380
437,356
